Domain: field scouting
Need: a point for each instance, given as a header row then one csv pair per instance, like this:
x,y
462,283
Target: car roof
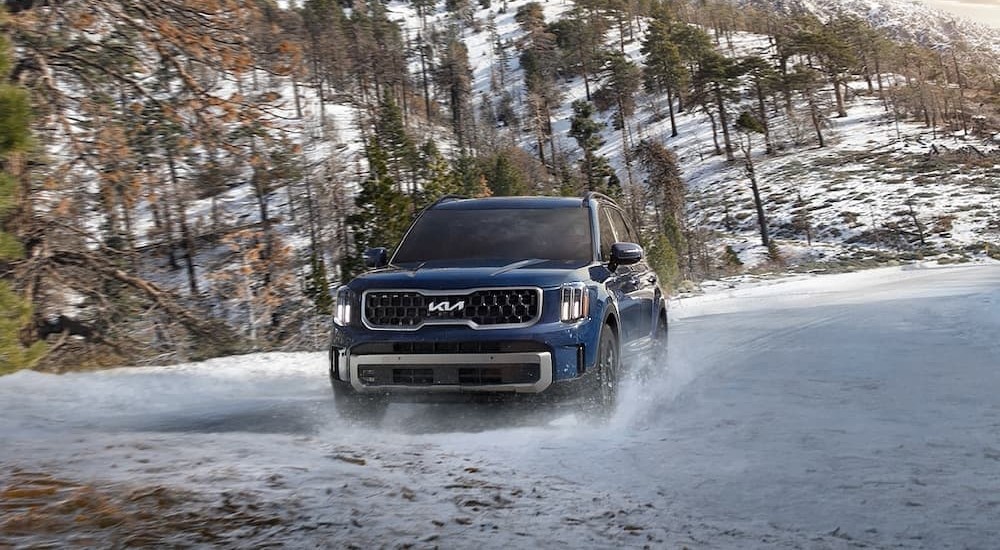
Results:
x,y
501,203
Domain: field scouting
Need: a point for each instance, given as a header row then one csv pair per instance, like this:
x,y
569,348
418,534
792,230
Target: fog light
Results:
x,y
367,375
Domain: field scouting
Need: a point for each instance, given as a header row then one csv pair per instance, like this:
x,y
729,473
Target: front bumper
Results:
x,y
460,359
525,372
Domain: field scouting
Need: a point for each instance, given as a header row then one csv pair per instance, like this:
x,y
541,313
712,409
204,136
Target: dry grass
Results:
x,y
39,510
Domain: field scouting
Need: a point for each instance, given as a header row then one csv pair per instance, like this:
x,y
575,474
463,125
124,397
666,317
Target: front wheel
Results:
x,y
656,358
358,406
603,391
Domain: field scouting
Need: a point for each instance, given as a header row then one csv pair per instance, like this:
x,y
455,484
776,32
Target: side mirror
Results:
x,y
376,257
624,254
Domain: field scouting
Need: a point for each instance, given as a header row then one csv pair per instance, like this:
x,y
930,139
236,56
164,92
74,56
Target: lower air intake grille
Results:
x,y
413,377
461,375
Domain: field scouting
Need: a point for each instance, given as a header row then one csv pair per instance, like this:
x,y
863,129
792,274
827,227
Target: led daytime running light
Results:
x,y
574,303
345,305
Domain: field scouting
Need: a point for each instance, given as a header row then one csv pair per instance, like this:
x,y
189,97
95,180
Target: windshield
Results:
x,y
506,234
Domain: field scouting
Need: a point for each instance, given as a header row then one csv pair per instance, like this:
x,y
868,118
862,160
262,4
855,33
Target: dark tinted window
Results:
x,y
607,235
506,234
621,228
633,235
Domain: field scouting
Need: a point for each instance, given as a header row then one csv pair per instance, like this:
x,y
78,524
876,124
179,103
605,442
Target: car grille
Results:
x,y
410,309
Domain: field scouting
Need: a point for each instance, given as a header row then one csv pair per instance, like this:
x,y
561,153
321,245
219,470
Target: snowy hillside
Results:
x,y
244,222
906,19
873,172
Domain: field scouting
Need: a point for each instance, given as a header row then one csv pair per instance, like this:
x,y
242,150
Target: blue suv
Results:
x,y
506,295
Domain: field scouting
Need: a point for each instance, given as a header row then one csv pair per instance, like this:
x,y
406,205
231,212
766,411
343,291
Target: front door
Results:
x,y
639,282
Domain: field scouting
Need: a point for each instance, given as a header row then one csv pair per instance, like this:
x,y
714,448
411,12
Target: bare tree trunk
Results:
x,y
839,95
539,133
878,79
715,129
298,98
670,109
250,301
261,188
916,222
762,114
168,231
751,171
186,236
961,93
423,75
724,122
129,227
626,145
817,120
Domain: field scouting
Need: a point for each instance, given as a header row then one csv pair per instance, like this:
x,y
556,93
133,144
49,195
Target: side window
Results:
x,y
607,234
621,229
633,236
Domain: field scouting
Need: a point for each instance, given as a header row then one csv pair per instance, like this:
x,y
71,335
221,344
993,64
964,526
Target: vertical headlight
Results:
x,y
574,302
343,311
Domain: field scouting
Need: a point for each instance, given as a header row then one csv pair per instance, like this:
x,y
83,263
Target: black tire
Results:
x,y
352,405
653,361
657,359
662,333
602,395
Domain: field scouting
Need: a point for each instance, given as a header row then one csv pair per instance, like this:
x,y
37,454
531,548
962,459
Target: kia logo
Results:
x,y
446,306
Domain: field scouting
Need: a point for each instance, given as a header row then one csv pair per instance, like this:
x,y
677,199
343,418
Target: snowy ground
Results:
x,y
838,411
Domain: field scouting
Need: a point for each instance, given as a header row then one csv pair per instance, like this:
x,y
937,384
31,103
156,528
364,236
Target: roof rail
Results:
x,y
595,195
446,198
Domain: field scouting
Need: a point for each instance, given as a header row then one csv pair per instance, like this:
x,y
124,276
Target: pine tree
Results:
x,y
326,28
105,75
15,140
423,7
838,57
622,79
437,177
801,220
664,70
260,280
581,37
665,184
786,34
503,177
540,61
471,176
377,51
717,80
318,285
454,76
666,190
747,125
664,260
731,262
806,81
382,212
764,81
693,44
400,154
587,133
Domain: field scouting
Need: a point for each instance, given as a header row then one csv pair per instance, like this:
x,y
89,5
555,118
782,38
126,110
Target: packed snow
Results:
x,y
831,411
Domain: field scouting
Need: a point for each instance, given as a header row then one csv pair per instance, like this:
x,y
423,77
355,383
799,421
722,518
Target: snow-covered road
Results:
x,y
842,411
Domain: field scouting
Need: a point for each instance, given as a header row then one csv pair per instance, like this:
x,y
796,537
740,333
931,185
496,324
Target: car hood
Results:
x,y
456,275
